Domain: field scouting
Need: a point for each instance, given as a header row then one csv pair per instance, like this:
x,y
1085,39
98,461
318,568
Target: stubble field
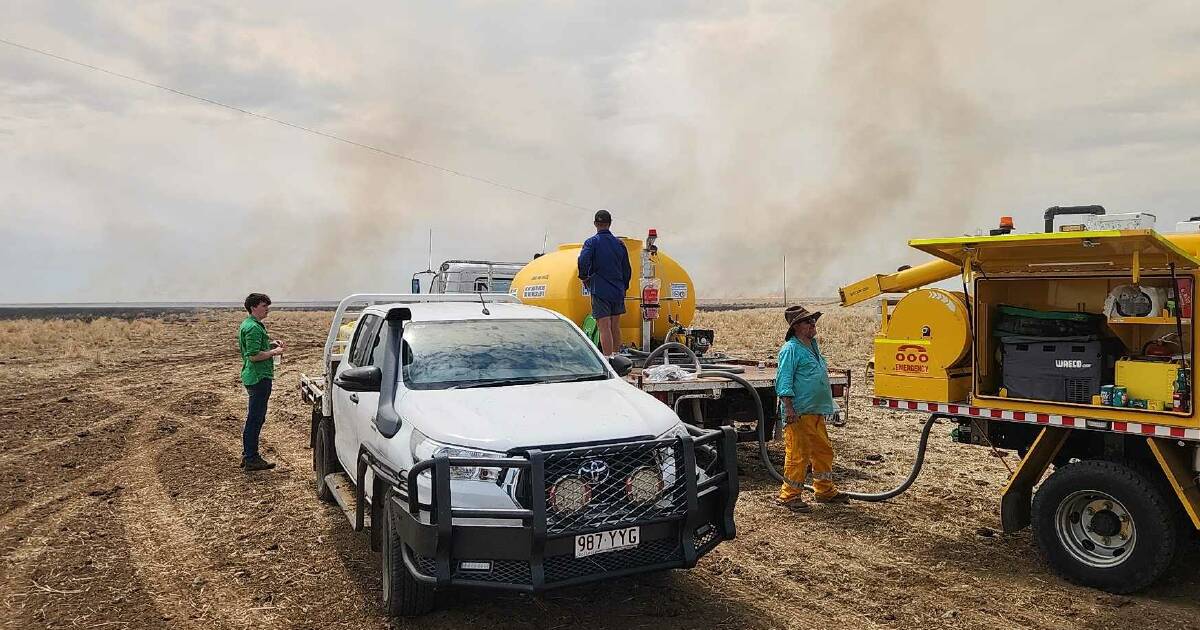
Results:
x,y
121,506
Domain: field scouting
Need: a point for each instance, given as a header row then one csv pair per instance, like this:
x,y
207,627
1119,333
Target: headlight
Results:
x,y
667,474
424,448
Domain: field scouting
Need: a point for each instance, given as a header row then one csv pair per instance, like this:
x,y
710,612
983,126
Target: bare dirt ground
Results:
x,y
121,505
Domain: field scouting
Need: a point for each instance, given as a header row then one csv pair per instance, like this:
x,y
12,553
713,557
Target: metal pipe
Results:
x,y
673,345
684,397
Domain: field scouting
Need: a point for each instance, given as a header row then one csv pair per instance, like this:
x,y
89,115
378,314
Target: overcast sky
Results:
x,y
829,131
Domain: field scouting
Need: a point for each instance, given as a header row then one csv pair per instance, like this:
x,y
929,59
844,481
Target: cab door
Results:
x,y
349,407
368,404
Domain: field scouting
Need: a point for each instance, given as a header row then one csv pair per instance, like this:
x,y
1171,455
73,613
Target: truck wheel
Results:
x,y
403,594
1106,525
324,461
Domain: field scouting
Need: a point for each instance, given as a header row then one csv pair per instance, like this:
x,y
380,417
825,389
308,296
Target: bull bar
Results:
x,y
690,519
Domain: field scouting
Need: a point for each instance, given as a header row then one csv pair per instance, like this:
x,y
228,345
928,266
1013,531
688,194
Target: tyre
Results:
x,y
1106,525
324,460
403,594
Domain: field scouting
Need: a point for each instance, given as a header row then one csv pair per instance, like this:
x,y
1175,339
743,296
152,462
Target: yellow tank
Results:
x,y
551,281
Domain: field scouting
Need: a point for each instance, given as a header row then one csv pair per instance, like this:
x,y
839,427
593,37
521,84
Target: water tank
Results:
x,y
551,281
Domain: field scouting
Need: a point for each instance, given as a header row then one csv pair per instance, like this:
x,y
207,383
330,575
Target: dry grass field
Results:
x,y
121,506
845,334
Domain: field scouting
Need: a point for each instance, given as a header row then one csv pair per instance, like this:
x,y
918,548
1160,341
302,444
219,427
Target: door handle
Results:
x,y
354,398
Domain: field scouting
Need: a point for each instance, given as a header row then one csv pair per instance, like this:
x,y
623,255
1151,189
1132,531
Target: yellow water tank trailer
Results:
x,y
552,281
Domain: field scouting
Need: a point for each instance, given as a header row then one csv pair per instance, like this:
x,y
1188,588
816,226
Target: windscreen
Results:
x,y
481,353
501,285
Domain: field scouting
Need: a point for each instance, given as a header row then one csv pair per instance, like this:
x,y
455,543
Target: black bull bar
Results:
x,y
534,549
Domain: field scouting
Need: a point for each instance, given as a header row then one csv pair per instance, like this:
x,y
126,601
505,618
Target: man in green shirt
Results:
x,y
258,371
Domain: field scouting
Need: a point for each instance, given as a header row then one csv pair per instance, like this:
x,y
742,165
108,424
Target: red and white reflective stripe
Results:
x,y
1030,417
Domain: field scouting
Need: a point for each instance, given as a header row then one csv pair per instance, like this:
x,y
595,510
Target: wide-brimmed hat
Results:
x,y
793,314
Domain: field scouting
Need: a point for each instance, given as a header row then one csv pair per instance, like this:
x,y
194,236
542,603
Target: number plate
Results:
x,y
604,542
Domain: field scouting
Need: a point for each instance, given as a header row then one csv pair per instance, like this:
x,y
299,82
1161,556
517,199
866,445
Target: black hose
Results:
x,y
857,496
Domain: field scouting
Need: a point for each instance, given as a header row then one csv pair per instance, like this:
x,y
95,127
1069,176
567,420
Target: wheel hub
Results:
x,y
1105,523
1095,528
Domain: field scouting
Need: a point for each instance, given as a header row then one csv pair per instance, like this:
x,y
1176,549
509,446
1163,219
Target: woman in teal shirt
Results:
x,y
805,399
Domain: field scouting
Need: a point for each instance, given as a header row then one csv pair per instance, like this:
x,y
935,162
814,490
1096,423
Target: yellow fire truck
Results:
x,y
1072,347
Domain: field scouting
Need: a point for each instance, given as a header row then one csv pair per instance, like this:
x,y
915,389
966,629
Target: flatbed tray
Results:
x,y
758,377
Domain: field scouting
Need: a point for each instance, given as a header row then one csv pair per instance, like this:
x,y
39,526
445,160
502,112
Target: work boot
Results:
x,y
795,505
840,497
256,462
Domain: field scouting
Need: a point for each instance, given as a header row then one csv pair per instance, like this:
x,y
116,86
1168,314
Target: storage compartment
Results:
x,y
1047,339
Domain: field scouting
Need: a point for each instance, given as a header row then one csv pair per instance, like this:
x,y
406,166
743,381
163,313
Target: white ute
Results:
x,y
488,443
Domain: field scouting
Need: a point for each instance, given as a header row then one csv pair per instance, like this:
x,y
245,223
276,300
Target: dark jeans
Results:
x,y
256,414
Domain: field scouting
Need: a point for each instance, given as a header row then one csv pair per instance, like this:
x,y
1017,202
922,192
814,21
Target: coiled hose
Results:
x,y
870,497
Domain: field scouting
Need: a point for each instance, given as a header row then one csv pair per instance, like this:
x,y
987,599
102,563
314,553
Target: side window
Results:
x,y
360,348
379,348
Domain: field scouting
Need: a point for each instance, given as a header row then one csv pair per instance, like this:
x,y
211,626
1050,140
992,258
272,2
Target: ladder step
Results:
x,y
343,492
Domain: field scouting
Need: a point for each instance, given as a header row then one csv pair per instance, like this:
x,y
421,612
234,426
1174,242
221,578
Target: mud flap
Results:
x,y
1176,465
1016,500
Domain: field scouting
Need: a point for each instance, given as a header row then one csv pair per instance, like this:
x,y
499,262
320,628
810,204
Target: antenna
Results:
x,y
545,241
416,282
483,302
785,302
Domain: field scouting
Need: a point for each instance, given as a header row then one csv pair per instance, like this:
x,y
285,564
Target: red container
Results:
x,y
1185,297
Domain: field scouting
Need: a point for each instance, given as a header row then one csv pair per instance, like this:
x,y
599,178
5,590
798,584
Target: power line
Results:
x,y
317,132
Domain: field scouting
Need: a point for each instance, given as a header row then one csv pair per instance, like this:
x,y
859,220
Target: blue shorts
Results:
x,y
606,308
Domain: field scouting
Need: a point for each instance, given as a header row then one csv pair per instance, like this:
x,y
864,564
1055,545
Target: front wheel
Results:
x,y
1105,525
403,594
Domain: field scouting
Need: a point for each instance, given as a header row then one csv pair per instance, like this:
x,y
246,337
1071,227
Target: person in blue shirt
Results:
x,y
805,400
604,270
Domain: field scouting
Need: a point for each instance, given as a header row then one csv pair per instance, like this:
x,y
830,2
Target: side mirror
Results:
x,y
416,286
360,379
621,364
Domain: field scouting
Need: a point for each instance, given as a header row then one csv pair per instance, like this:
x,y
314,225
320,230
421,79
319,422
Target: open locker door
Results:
x,y
1131,251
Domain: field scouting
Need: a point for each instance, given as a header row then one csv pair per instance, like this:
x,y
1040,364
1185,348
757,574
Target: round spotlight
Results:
x,y
644,485
569,494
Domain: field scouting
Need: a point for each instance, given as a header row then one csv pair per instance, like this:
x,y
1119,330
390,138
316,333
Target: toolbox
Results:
x,y
1148,380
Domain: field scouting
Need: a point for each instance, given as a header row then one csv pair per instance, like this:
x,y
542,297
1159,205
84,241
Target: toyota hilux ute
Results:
x,y
487,443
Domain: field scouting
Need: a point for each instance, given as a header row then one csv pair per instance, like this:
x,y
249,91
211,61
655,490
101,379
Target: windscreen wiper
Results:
x,y
498,382
576,379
